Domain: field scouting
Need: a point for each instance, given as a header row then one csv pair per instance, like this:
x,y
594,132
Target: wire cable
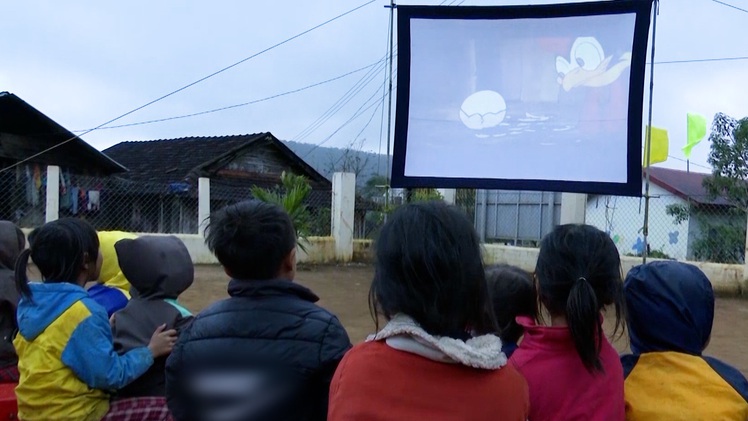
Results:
x,y
700,60
243,104
730,6
16,164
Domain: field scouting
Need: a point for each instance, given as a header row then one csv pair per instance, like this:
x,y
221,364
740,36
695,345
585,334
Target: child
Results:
x,y
159,269
512,295
573,371
670,314
436,358
112,291
267,352
12,242
65,353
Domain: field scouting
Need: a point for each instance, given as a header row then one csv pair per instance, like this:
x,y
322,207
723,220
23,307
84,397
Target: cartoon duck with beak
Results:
x,y
589,66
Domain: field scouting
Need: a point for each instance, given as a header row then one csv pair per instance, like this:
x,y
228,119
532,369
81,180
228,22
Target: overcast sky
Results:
x,y
85,62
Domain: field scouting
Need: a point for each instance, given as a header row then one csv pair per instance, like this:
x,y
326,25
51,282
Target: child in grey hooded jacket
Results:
x,y
159,269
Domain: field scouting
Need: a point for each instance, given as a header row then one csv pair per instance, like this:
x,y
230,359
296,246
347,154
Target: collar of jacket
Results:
x,y
404,334
270,287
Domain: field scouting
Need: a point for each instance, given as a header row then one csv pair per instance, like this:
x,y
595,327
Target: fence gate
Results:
x,y
519,218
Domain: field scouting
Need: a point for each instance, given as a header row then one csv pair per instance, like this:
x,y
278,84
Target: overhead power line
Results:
x,y
190,85
730,6
701,60
243,104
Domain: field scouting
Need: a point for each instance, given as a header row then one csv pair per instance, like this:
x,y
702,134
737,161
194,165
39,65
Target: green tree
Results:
x,y
729,160
722,240
290,195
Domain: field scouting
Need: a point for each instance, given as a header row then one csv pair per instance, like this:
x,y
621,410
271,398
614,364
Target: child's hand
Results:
x,y
162,341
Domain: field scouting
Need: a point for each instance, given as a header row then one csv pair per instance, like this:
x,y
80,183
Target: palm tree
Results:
x,y
290,195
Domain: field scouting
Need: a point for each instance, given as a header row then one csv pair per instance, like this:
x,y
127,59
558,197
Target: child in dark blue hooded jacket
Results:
x,y
670,314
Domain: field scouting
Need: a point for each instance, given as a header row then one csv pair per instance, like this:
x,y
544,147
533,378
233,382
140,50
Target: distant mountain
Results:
x,y
329,160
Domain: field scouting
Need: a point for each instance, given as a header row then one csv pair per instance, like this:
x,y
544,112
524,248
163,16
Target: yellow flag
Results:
x,y
660,145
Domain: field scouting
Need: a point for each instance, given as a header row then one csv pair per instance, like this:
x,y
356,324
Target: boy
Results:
x,y
159,269
670,315
267,352
512,294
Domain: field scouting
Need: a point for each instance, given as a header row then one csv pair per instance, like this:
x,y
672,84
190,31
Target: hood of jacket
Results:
x,y
12,243
670,307
48,301
156,266
404,334
111,274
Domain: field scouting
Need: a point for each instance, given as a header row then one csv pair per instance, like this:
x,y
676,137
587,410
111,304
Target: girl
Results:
x,y
435,358
512,294
66,357
572,370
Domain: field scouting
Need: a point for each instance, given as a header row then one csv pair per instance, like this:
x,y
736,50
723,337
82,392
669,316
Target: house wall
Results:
x,y
623,219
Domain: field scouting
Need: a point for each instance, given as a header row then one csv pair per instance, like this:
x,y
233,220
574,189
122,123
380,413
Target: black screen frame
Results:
x,y
632,186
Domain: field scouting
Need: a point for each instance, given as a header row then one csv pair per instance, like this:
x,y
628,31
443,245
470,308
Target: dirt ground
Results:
x,y
344,291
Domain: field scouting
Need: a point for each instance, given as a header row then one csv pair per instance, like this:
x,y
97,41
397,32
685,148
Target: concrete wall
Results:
x,y
318,250
726,279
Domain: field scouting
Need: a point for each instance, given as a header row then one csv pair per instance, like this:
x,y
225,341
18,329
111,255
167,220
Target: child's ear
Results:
x,y
288,266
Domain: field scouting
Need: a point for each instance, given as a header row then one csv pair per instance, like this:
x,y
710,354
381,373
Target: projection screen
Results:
x,y
522,97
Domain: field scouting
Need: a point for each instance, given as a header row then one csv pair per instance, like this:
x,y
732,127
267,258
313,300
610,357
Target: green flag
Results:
x,y
696,132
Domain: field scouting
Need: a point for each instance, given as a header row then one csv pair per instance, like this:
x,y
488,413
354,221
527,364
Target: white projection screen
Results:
x,y
521,97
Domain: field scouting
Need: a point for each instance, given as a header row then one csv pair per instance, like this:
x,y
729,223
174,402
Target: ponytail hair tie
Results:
x,y
582,279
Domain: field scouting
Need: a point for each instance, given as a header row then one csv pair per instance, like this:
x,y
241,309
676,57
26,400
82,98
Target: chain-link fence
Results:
x,y
115,203
697,228
24,195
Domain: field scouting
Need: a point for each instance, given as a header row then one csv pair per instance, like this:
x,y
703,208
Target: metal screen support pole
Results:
x,y
648,149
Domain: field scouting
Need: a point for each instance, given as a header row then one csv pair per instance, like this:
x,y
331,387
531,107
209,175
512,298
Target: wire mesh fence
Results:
x,y
24,195
696,228
316,215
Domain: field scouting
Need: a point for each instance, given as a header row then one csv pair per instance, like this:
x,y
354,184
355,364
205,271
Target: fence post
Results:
x,y
52,212
203,204
449,195
573,208
343,207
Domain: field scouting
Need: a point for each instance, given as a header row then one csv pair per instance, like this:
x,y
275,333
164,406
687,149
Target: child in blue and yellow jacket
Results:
x,y
66,357
670,314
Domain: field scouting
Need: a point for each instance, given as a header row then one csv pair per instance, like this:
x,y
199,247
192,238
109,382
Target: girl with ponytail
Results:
x,y
572,370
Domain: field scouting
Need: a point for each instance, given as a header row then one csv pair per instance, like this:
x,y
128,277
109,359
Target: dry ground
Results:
x,y
344,291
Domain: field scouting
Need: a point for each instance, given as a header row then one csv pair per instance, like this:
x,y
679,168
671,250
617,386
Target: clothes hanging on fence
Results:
x,y
74,191
94,197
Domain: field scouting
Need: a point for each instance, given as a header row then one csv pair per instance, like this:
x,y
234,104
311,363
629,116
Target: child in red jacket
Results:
x,y
436,359
572,370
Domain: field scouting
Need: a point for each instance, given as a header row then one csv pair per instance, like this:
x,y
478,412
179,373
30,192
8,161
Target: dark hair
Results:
x,y
429,267
578,274
512,294
59,249
251,239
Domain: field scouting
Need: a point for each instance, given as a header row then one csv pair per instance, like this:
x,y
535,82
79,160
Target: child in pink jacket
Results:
x,y
572,370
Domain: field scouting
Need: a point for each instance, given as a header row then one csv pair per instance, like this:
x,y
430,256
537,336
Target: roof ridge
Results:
x,y
192,138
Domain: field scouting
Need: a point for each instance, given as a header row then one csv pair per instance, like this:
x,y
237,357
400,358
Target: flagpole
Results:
x,y
648,149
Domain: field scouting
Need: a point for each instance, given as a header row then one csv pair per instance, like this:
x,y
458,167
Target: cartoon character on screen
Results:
x,y
605,105
588,66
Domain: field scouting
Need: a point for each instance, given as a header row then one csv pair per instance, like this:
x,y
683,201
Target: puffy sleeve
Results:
x,y
90,354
